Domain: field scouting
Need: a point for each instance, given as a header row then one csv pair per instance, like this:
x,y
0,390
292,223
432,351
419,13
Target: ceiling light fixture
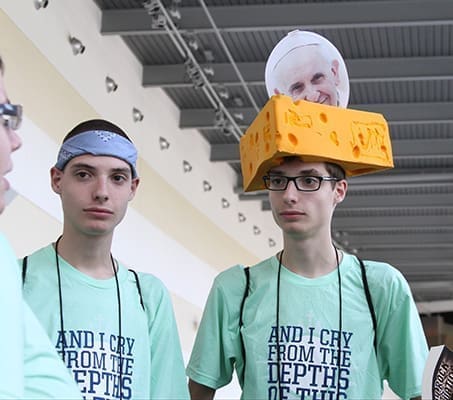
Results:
x,y
174,11
223,93
110,85
209,70
137,115
225,203
76,45
238,116
227,128
219,118
186,166
238,101
207,186
256,230
271,242
152,6
208,55
194,74
193,43
158,21
41,4
241,217
164,144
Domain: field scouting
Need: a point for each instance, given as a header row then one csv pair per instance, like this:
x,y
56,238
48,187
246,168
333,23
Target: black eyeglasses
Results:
x,y
303,183
11,115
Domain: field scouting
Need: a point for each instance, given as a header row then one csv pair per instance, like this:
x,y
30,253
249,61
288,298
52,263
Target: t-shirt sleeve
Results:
x,y
402,344
31,368
11,340
168,379
216,349
46,377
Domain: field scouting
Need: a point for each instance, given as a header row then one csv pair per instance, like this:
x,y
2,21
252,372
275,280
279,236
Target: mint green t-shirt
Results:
x,y
30,367
308,332
152,364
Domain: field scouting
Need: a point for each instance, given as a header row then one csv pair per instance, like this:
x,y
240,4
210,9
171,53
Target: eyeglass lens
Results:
x,y
304,183
11,114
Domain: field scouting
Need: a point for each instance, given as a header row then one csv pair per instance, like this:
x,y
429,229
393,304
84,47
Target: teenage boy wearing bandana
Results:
x,y
114,328
302,327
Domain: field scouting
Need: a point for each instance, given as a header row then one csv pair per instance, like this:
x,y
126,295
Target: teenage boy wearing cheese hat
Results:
x,y
311,322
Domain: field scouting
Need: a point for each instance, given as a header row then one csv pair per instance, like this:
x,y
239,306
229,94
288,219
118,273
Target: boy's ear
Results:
x,y
134,185
341,189
55,179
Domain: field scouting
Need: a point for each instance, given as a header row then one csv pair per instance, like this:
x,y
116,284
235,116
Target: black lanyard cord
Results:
x,y
60,298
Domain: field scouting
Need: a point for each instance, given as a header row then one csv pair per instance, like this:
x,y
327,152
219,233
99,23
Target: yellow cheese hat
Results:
x,y
358,141
286,48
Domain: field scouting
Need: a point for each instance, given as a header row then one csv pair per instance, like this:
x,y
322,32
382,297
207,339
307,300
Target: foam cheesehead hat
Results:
x,y
357,141
297,39
97,138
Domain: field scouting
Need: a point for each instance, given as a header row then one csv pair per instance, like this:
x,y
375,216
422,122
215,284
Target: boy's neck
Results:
x,y
310,258
90,255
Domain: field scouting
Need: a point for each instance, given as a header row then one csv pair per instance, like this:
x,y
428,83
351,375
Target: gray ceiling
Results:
x,y
399,55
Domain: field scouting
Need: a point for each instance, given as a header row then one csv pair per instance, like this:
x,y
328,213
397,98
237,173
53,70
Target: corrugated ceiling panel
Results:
x,y
418,131
396,212
156,50
118,4
425,162
188,97
402,92
402,41
213,3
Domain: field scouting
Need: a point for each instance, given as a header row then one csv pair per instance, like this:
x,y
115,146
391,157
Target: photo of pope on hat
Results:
x,y
306,66
306,115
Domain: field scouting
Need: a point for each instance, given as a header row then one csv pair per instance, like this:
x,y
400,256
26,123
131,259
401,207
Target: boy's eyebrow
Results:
x,y
124,170
82,165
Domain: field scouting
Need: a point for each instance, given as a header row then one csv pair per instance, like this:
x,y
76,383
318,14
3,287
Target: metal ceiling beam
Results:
x,y
386,201
347,223
397,200
174,75
428,147
359,70
287,16
402,211
399,113
419,267
396,255
432,307
432,238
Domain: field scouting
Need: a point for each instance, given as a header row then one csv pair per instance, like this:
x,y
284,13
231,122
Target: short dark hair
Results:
x,y
96,125
335,170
